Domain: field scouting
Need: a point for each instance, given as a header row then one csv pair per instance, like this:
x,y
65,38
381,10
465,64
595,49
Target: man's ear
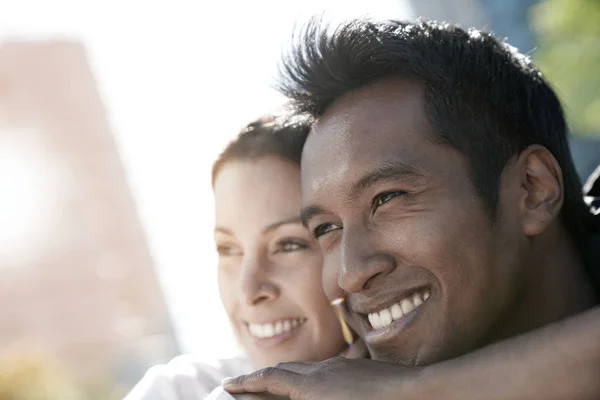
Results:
x,y
542,185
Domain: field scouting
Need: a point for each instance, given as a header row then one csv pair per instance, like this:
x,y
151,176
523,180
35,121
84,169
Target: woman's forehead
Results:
x,y
255,195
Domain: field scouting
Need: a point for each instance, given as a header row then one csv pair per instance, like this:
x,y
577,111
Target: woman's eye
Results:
x,y
225,251
287,246
323,229
383,198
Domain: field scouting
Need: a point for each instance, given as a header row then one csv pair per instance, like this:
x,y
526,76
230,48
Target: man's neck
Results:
x,y
557,287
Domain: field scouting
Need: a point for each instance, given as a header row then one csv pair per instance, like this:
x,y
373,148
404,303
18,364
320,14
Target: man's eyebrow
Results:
x,y
310,212
386,172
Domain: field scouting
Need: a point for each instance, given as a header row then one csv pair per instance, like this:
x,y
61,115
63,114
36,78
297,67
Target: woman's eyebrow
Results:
x,y
275,225
223,230
268,228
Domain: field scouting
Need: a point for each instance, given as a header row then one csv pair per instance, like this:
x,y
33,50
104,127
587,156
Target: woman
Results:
x,y
269,266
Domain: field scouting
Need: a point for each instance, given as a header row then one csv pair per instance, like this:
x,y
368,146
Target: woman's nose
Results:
x,y
257,285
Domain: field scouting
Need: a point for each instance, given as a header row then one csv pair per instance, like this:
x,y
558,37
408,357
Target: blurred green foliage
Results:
x,y
34,375
569,55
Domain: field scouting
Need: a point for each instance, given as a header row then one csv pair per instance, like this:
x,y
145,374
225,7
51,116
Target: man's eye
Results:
x,y
383,198
324,229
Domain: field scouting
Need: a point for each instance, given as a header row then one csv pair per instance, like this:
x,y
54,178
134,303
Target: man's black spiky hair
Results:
x,y
481,95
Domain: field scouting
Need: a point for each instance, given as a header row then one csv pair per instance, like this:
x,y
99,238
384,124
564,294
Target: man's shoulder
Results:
x,y
186,377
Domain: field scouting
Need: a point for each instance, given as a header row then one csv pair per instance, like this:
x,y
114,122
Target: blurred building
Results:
x,y
76,277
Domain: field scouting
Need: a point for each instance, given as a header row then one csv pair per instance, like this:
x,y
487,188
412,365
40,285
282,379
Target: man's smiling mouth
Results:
x,y
386,316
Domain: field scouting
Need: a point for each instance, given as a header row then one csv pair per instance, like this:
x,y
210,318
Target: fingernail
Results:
x,y
226,381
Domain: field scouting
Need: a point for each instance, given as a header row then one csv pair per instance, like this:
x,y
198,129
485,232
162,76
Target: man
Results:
x,y
439,184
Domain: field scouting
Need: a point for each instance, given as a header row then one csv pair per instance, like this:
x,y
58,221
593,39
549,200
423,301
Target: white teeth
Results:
x,y
252,329
417,300
385,317
407,306
256,330
269,330
375,320
397,311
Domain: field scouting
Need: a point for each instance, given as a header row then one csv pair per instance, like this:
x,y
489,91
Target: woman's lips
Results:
x,y
275,332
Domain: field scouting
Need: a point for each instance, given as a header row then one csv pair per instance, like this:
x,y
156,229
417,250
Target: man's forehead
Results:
x,y
381,121
327,156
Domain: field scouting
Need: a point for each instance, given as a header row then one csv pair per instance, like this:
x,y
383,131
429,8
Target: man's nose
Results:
x,y
361,261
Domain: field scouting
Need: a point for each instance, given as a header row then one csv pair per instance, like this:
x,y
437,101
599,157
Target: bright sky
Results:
x,y
178,79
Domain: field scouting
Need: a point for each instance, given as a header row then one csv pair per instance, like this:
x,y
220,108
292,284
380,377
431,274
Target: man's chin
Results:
x,y
391,358
418,356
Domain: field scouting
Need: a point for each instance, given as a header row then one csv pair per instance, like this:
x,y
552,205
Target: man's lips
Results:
x,y
385,316
386,323
374,314
364,305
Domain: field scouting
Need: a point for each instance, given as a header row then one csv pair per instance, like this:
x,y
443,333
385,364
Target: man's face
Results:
x,y
426,273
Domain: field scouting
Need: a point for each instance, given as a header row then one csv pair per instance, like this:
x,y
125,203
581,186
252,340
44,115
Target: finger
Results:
x,y
258,396
357,350
271,380
301,368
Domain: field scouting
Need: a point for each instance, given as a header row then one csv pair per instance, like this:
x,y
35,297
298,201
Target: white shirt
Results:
x,y
185,378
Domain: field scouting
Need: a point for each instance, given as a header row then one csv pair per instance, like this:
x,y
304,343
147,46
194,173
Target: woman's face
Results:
x,y
269,267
